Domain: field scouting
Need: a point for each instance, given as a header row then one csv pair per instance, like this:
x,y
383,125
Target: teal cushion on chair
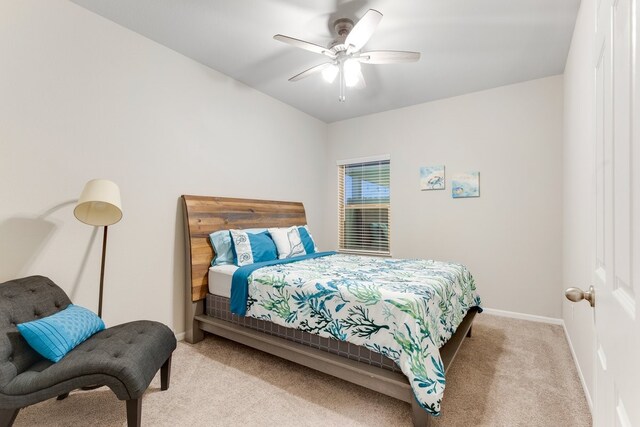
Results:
x,y
56,335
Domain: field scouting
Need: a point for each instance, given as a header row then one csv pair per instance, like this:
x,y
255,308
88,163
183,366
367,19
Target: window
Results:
x,y
364,206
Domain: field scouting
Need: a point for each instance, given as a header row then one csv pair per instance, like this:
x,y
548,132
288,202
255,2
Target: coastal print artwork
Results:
x,y
432,178
465,185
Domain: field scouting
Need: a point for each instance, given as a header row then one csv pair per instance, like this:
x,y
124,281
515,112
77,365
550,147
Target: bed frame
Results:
x,y
204,215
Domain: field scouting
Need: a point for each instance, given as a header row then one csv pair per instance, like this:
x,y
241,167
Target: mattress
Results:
x,y
218,307
220,279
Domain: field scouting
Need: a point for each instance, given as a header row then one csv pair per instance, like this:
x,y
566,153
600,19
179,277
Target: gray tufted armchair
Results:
x,y
124,358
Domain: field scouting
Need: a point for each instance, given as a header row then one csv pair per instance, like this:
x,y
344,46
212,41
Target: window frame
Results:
x,y
342,206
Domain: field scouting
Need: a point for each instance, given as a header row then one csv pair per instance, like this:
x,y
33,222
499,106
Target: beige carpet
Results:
x,y
510,373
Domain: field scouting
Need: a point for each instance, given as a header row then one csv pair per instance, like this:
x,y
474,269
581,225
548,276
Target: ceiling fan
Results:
x,y
345,52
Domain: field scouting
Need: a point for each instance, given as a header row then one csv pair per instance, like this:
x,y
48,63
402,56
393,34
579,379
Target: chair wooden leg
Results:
x,y
165,374
134,412
469,331
62,396
8,416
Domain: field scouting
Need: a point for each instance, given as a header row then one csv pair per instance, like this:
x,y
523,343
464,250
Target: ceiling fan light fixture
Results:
x,y
352,72
329,74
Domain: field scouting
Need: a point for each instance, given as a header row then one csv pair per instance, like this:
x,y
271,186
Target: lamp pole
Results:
x,y
104,254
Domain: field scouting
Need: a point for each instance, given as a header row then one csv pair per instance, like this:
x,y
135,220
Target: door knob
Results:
x,y
577,294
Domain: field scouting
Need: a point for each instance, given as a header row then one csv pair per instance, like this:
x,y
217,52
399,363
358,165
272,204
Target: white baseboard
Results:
x,y
523,316
575,362
180,336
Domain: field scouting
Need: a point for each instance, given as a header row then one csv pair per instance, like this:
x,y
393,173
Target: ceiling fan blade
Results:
x,y
310,71
363,30
388,57
305,45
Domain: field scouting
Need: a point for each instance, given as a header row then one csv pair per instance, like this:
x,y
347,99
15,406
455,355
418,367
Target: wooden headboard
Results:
x,y
204,215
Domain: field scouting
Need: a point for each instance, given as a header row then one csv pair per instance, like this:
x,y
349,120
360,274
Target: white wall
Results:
x,y
81,98
509,237
579,218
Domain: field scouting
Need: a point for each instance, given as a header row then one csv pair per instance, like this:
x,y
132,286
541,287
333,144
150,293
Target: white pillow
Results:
x,y
287,242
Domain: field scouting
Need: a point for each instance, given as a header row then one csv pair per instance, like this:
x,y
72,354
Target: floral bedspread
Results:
x,y
403,309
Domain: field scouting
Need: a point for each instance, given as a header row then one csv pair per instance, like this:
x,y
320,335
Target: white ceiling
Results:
x,y
466,45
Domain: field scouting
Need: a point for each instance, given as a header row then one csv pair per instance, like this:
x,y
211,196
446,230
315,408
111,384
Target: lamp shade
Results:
x,y
99,203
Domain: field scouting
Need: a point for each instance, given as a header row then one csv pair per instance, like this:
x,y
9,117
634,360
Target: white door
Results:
x,y
616,275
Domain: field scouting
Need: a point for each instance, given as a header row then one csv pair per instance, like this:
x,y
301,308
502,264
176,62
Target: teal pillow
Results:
x,y
223,246
262,247
56,335
221,242
307,240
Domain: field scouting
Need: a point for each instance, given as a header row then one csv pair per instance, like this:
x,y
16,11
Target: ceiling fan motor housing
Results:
x,y
343,27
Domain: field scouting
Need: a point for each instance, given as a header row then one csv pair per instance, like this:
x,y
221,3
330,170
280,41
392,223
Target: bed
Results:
x,y
208,310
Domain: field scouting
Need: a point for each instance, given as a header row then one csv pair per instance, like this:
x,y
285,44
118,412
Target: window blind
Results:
x,y
364,207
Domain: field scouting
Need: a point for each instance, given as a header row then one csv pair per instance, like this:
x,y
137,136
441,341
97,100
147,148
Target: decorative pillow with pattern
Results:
x,y
287,241
56,335
223,246
251,248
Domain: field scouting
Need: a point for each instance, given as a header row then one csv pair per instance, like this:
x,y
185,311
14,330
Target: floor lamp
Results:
x,y
99,205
